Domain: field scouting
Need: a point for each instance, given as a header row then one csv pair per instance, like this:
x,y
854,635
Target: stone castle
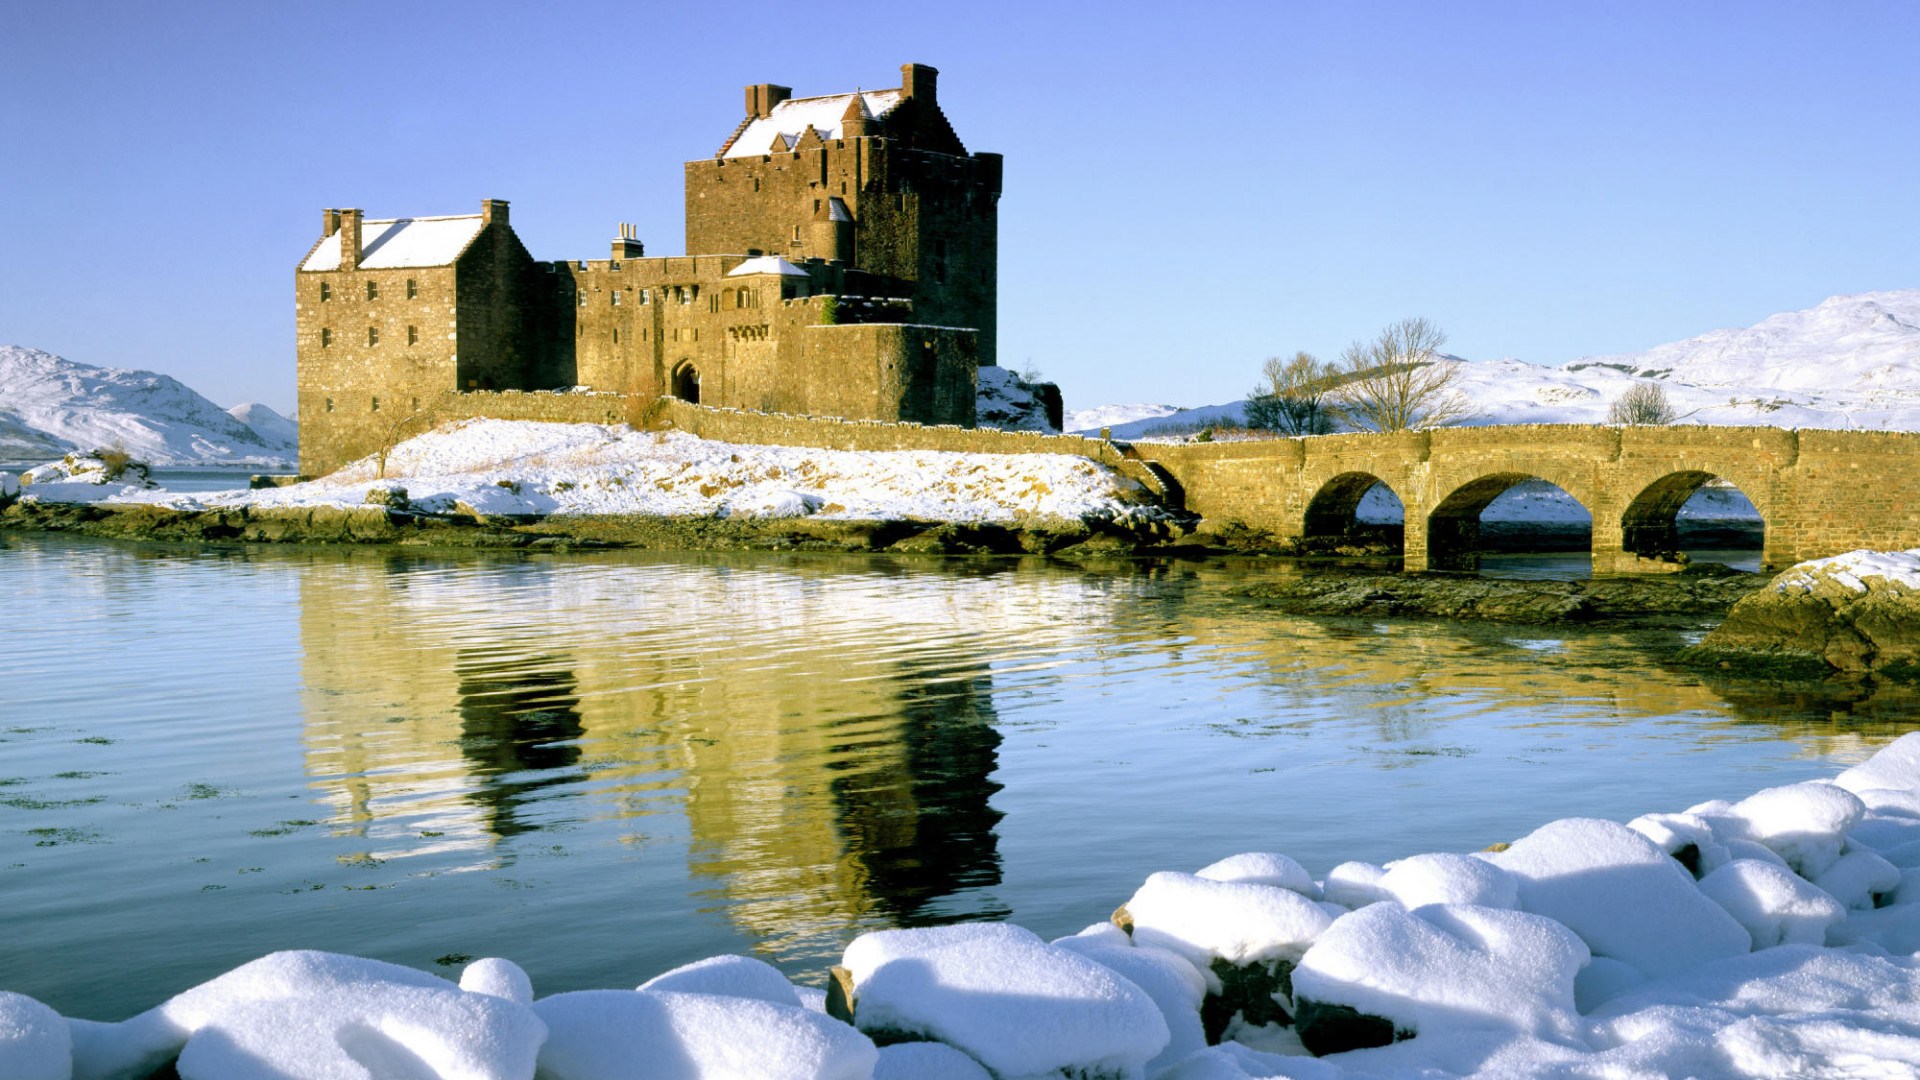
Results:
x,y
841,262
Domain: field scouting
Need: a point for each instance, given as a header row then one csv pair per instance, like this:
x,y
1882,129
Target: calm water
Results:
x,y
602,766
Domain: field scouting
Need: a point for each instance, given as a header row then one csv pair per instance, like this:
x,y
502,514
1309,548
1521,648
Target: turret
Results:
x,y
830,233
857,121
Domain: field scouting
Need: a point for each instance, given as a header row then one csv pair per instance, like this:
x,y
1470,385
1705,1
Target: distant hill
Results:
x,y
267,422
1851,362
50,405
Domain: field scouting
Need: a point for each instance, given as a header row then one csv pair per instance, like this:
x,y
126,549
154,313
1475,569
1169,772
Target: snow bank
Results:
x,y
1853,572
515,467
1005,401
1690,943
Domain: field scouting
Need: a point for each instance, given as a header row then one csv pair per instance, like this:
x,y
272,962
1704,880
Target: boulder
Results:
x,y
664,1035
1854,612
34,1040
729,976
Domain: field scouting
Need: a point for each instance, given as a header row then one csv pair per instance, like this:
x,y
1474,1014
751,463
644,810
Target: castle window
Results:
x,y
329,404
373,335
613,264
416,404
376,404
713,304
796,234
816,206
413,335
413,289
326,338
616,335
640,296
739,298
326,291
616,298
373,290
756,183
583,298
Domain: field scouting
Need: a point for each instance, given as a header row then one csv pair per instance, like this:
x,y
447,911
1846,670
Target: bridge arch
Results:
x,y
1333,511
1650,527
1453,525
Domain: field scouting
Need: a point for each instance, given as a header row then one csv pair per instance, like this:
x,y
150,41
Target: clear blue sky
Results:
x,y
1189,188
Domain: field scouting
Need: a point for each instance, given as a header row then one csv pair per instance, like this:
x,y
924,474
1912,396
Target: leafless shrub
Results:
x,y
1643,403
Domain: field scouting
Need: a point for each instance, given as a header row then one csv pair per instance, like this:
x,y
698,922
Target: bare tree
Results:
x,y
1643,403
1293,398
413,423
1399,381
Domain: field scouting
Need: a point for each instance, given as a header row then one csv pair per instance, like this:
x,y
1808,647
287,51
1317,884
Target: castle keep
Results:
x,y
841,262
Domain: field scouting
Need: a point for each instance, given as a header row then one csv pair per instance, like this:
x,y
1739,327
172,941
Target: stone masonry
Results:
x,y
842,262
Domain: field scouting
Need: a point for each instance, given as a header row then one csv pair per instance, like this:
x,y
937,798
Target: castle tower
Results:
x,y
875,179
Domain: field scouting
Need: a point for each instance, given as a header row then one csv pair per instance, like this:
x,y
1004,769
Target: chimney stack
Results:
x,y
762,97
493,211
628,246
349,239
329,223
918,81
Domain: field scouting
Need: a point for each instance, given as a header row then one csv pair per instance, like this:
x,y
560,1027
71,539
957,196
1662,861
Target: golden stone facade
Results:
x,y
842,262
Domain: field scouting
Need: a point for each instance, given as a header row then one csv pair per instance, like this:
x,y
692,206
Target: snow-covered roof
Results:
x,y
402,242
790,118
767,264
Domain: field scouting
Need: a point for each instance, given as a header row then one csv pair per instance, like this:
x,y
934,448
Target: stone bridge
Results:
x,y
1818,492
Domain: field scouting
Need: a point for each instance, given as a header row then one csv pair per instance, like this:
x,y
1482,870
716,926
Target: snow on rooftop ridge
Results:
x,y
767,264
790,120
400,243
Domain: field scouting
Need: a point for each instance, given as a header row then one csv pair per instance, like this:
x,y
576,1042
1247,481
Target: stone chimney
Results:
x,y
628,245
918,81
493,211
329,223
762,97
349,239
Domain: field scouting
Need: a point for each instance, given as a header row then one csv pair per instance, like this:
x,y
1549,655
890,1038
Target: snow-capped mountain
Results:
x,y
50,405
1851,362
267,422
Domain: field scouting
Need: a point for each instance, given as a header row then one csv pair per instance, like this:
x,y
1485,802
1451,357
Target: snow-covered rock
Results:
x,y
927,1061
1777,906
729,976
1206,920
34,1041
1015,1004
500,978
1173,983
1449,879
1447,966
659,1035
50,405
1008,402
1262,868
1626,898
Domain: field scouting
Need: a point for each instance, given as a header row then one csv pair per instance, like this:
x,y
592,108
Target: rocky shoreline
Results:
x,y
1453,596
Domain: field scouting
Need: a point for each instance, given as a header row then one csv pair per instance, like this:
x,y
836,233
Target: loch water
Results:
x,y
602,765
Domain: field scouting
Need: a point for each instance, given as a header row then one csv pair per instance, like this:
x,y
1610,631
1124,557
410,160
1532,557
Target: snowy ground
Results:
x,y
525,467
1775,936
50,405
1851,362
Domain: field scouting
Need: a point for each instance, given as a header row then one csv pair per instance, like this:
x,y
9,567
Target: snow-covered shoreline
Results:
x,y
1772,936
530,468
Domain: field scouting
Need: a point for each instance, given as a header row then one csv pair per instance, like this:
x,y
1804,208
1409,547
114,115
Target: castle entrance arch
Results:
x,y
1355,508
686,383
1505,513
1697,515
